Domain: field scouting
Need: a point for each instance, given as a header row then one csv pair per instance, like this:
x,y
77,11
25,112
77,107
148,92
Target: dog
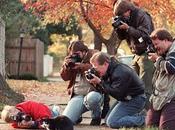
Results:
x,y
58,123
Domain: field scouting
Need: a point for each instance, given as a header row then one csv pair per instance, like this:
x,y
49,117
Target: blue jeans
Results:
x,y
126,114
80,104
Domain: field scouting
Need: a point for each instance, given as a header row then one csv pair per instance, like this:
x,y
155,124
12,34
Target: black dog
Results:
x,y
58,123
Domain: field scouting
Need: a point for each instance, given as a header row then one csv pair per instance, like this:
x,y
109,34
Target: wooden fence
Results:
x,y
2,48
31,57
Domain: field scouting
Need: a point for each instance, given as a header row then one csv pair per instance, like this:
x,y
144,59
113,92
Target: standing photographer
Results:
x,y
28,114
162,111
122,83
82,99
134,25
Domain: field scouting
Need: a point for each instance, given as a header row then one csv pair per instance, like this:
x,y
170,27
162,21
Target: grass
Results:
x,y
24,86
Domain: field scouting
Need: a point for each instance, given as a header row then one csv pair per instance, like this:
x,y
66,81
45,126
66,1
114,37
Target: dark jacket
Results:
x,y
121,81
68,74
140,25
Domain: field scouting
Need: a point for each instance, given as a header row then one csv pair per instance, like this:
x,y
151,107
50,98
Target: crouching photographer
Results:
x,y
162,110
28,114
83,98
122,83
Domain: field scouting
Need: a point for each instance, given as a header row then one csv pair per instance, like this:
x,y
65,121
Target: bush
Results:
x,y
26,76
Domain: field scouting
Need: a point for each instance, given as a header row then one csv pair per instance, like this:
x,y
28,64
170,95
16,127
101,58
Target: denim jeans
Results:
x,y
80,104
126,114
55,110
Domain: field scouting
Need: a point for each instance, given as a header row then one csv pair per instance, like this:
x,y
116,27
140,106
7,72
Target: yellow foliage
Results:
x,y
58,49
124,46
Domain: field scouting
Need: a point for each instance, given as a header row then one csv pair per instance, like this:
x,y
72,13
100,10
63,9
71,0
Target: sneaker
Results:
x,y
95,122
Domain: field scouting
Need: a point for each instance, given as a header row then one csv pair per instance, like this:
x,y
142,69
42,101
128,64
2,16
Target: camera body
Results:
x,y
150,47
88,74
20,116
75,57
118,20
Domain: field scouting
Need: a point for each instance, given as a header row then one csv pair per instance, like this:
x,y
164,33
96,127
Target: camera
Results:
x,y
75,57
118,20
20,116
88,74
150,47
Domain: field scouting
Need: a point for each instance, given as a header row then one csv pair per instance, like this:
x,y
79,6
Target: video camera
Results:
x,y
20,116
75,57
88,74
118,20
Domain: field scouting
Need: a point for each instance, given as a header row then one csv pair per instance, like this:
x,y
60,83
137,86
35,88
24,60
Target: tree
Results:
x,y
59,10
15,17
97,14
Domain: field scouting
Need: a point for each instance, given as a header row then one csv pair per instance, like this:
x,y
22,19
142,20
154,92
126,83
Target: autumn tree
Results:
x,y
97,14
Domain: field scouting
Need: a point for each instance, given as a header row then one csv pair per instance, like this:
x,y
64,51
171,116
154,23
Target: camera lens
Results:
x,y
89,76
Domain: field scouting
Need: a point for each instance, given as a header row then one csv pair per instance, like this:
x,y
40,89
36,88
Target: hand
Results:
x,y
67,60
153,56
95,80
124,26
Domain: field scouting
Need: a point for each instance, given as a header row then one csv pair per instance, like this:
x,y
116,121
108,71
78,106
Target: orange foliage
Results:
x,y
98,11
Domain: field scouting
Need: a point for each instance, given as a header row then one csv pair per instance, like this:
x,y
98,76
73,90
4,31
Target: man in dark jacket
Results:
x,y
135,28
123,84
82,98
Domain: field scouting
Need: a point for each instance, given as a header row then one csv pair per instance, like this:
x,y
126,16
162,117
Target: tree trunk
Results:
x,y
112,43
97,42
7,95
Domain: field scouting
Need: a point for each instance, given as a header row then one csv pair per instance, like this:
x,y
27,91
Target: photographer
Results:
x,y
135,25
28,114
122,83
82,98
162,111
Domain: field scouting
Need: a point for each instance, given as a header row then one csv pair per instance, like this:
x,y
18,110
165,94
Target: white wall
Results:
x,y
48,65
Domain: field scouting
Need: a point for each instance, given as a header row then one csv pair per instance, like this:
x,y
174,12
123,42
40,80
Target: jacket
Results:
x,y
164,80
140,26
121,81
69,74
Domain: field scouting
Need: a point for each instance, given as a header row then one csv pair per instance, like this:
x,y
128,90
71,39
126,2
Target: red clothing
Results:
x,y
36,110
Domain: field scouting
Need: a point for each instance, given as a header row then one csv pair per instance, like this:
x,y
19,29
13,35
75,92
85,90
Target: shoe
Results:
x,y
95,122
79,120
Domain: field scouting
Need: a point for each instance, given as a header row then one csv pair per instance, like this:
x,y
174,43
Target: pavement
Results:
x,y
62,100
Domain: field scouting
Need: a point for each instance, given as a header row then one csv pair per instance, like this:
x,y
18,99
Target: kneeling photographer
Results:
x,y
122,83
28,114
83,98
